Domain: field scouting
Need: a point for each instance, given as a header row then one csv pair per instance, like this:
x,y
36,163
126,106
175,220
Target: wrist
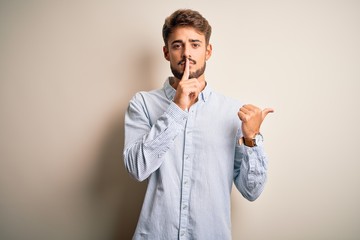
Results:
x,y
254,141
182,106
250,135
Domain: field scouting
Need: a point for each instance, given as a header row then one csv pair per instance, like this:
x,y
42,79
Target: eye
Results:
x,y
196,45
176,46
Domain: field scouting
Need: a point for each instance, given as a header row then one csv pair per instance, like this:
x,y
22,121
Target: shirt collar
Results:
x,y
170,91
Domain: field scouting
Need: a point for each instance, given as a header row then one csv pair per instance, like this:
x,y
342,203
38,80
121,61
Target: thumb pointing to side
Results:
x,y
266,111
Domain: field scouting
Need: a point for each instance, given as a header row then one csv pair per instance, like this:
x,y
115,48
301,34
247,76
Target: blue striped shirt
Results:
x,y
190,160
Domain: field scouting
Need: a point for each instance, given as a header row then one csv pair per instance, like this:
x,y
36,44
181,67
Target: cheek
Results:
x,y
172,61
201,56
173,58
201,59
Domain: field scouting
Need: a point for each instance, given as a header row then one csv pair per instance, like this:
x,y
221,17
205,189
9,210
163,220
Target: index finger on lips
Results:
x,y
186,70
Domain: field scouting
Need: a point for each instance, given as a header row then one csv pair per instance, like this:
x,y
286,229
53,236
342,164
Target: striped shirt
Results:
x,y
190,160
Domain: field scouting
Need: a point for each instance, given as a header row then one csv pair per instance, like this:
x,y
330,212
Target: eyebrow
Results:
x,y
194,40
190,40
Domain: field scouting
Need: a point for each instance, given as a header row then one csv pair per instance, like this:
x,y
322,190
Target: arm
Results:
x,y
250,171
250,162
145,145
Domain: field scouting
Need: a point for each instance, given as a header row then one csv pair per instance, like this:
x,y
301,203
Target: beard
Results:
x,y
195,74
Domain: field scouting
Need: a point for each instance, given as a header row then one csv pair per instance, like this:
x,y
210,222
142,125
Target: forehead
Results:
x,y
185,34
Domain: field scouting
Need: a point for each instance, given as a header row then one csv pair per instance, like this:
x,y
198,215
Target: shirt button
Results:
x,y
185,207
182,233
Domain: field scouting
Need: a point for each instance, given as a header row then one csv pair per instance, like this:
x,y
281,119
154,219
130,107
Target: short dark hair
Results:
x,y
186,18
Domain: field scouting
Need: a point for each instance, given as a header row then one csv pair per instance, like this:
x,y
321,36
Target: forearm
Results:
x,y
250,171
144,148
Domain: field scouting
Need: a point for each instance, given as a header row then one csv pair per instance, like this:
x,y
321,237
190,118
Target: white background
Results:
x,y
69,68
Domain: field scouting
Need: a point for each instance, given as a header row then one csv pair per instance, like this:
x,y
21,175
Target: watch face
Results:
x,y
259,139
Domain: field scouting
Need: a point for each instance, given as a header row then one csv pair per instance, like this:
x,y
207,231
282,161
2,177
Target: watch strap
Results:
x,y
249,142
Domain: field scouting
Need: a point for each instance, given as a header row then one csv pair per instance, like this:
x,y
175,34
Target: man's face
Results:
x,y
186,42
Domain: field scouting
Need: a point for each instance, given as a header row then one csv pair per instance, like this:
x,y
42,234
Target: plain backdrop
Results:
x,y
69,68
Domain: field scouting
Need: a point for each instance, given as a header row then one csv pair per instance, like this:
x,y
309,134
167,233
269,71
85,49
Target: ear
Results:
x,y
208,51
166,53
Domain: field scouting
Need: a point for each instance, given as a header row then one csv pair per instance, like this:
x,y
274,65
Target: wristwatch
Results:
x,y
253,142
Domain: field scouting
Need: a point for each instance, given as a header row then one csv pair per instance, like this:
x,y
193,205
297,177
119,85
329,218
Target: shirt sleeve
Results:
x,y
146,143
250,170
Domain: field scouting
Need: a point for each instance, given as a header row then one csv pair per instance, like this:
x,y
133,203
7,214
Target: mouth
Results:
x,y
191,62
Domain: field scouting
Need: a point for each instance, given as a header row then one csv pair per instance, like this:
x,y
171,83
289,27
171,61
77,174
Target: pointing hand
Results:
x,y
252,117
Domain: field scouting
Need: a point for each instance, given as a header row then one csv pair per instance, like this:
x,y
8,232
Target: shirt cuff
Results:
x,y
176,113
257,150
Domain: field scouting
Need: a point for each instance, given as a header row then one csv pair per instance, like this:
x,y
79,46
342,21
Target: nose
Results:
x,y
186,52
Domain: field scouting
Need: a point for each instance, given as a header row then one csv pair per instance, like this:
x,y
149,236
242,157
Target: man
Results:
x,y
191,143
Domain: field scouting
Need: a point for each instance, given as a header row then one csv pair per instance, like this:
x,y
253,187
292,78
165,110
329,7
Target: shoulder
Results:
x,y
143,96
225,101
226,109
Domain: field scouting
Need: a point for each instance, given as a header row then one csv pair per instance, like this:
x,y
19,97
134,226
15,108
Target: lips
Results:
x,y
191,61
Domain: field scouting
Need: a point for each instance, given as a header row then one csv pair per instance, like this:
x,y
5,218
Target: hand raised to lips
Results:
x,y
187,90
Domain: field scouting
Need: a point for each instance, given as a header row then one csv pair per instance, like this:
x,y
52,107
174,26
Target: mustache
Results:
x,y
184,60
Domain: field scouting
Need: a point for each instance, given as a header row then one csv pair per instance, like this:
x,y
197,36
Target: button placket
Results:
x,y
186,175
